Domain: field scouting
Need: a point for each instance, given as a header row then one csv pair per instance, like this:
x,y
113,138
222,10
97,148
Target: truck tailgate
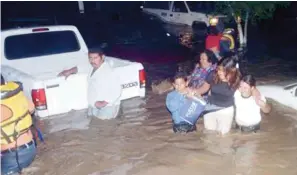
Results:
x,y
129,83
64,95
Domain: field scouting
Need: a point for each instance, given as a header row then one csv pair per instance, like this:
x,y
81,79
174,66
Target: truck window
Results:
x,y
40,44
180,7
201,6
162,5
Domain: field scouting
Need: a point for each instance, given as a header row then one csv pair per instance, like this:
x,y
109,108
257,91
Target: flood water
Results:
x,y
142,142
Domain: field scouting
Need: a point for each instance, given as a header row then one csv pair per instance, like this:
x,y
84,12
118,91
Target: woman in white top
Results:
x,y
249,106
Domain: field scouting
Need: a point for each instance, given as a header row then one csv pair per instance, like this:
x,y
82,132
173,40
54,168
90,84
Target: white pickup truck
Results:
x,y
35,56
180,12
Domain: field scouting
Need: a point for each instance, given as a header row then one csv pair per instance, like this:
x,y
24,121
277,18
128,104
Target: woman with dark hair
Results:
x,y
248,106
207,63
221,84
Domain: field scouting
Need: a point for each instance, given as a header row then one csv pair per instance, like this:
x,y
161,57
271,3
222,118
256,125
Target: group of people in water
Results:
x,y
217,91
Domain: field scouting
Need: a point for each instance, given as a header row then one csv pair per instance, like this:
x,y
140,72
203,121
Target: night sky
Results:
x,y
283,27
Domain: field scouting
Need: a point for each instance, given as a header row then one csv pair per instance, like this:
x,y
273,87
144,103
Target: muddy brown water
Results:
x,y
141,142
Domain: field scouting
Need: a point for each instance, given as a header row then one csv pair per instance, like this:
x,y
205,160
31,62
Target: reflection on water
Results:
x,y
141,142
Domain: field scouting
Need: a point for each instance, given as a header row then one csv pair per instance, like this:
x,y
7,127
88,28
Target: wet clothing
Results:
x,y
183,109
219,112
26,154
220,119
183,127
248,129
221,93
107,112
16,122
199,75
19,119
248,113
104,85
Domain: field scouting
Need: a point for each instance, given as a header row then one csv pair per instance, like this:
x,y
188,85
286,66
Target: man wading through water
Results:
x,y
104,89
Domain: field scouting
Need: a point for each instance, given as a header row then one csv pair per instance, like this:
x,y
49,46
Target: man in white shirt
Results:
x,y
104,88
249,106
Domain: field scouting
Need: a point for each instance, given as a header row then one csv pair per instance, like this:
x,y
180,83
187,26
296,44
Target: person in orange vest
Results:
x,y
18,148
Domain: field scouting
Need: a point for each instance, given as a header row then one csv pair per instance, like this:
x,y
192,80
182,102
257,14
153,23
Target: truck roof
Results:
x,y
26,30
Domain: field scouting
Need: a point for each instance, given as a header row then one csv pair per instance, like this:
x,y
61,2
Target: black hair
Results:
x,y
97,50
249,79
2,80
230,61
180,75
211,57
229,66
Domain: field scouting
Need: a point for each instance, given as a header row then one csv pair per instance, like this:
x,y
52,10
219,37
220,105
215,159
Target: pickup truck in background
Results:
x,y
35,56
181,12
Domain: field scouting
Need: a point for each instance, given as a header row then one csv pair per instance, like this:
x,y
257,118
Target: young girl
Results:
x,y
185,108
222,84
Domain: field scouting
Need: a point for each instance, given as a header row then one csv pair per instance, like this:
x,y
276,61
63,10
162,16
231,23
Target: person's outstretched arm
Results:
x,y
68,72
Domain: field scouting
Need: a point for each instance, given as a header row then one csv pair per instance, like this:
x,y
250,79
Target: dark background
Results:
x,y
276,37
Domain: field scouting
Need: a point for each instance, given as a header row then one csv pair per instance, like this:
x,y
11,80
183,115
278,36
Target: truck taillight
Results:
x,y
40,29
142,78
39,99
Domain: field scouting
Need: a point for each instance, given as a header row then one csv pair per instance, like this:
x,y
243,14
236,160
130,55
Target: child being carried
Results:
x,y
185,107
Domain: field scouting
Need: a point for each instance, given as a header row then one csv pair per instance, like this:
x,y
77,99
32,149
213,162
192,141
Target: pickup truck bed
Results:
x,y
37,68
